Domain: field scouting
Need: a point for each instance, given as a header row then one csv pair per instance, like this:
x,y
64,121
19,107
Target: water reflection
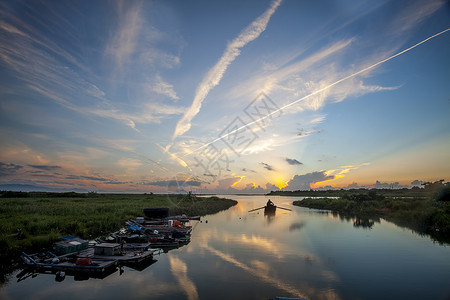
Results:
x,y
60,276
296,226
359,221
291,290
270,216
301,253
363,222
179,271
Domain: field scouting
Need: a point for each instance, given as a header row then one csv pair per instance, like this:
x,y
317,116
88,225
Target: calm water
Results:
x,y
303,253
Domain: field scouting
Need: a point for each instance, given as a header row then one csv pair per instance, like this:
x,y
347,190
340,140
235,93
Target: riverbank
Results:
x,y
35,220
423,215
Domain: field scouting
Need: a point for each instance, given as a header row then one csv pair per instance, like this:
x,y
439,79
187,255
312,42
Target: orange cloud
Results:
x,y
333,175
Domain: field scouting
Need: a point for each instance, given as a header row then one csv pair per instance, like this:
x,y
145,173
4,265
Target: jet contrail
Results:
x,y
215,74
320,90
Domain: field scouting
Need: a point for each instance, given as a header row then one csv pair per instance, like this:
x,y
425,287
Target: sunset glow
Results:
x,y
223,97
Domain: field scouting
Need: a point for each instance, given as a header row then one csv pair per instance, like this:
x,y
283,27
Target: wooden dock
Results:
x,y
130,256
62,263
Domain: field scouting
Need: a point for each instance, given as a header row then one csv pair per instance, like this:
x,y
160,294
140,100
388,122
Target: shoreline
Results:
x,y
424,216
30,221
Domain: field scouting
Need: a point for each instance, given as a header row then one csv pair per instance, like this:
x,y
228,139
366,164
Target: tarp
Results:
x,y
85,261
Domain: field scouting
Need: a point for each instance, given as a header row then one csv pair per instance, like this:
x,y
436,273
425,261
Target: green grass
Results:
x,y
423,215
44,217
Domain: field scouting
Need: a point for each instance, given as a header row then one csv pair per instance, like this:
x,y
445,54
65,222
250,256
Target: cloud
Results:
x,y
9,169
45,167
161,87
227,183
338,173
11,29
327,70
289,77
413,15
318,119
353,185
271,187
56,71
125,40
215,74
175,183
380,185
157,57
267,166
210,175
251,188
417,183
150,113
76,177
303,182
385,185
293,161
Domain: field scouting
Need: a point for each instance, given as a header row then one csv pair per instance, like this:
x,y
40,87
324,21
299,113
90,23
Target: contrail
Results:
x,y
320,90
215,74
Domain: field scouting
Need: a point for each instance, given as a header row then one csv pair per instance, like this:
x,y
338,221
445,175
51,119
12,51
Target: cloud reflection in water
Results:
x,y
179,271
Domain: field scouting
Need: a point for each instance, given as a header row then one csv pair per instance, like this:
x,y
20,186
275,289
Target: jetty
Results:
x,y
133,246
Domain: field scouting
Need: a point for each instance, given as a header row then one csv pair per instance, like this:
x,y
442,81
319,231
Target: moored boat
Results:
x,y
156,212
47,261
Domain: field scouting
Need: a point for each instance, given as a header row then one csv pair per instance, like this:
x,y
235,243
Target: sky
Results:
x,y
224,96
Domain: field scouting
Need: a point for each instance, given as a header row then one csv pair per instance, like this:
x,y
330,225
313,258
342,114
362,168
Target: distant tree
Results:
x,y
371,195
438,190
444,194
14,194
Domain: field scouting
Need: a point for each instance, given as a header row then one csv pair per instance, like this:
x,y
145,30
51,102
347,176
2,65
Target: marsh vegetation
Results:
x,y
428,212
34,220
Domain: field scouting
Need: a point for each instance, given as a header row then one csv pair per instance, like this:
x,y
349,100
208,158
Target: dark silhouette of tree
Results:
x,y
438,190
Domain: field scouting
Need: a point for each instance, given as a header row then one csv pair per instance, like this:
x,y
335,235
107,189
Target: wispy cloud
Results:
x,y
9,169
175,183
125,40
215,74
45,167
414,14
324,87
293,161
161,87
267,166
50,69
11,29
93,178
150,113
288,74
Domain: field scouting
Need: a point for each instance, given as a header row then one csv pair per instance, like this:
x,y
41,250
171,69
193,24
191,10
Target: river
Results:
x,y
300,253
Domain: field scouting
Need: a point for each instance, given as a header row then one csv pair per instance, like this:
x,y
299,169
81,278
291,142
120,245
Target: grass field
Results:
x,y
44,217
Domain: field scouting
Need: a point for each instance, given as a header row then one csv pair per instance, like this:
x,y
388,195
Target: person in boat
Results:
x,y
270,203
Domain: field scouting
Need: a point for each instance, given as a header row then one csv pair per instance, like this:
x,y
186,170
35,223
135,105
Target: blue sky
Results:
x,y
140,96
